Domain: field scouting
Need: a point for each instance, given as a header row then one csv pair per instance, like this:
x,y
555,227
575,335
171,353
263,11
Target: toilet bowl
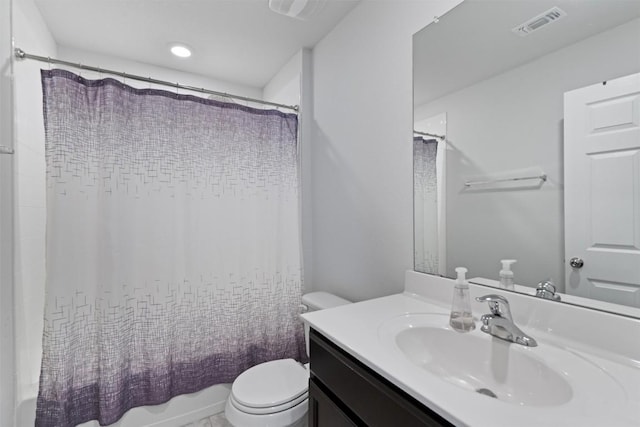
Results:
x,y
269,394
275,393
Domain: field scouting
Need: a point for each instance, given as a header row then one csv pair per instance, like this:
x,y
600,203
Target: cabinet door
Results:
x,y
366,397
323,412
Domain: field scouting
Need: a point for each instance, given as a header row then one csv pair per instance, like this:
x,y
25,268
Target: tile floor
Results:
x,y
217,420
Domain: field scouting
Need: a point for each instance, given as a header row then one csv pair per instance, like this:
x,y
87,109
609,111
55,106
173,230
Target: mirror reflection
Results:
x,y
527,148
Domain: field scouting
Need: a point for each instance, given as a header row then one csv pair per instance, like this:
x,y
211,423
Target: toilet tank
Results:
x,y
320,300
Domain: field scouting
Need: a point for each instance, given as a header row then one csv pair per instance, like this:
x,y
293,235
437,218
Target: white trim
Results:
x,y
7,139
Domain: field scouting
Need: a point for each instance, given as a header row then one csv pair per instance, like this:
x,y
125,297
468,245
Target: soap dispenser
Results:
x,y
461,318
506,275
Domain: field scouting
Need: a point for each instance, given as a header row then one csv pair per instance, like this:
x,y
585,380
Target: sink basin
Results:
x,y
480,363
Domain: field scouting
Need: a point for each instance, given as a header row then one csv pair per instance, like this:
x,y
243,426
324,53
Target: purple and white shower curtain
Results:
x,y
173,250
425,202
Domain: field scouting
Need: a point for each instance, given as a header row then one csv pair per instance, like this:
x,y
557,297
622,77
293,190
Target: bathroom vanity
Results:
x,y
345,392
395,361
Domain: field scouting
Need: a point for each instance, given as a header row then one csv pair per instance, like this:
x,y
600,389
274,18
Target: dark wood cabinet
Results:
x,y
345,392
323,411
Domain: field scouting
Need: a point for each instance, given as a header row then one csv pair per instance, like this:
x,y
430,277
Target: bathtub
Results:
x,y
177,412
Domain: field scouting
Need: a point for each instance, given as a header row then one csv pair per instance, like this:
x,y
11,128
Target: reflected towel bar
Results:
x,y
542,177
5,150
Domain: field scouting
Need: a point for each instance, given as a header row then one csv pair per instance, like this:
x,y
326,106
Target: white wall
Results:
x,y
515,121
284,87
30,34
361,168
292,85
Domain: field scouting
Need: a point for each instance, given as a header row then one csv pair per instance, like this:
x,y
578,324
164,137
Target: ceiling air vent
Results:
x,y
299,9
537,22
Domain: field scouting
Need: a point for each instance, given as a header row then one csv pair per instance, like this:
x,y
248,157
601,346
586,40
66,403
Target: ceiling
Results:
x,y
238,41
474,41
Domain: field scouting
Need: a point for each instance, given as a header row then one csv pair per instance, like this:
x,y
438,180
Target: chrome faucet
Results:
x,y
547,290
499,322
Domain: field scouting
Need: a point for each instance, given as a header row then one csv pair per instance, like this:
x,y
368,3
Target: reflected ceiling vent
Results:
x,y
534,24
299,9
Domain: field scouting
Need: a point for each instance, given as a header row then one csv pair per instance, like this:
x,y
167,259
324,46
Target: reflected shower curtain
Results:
x,y
173,258
425,182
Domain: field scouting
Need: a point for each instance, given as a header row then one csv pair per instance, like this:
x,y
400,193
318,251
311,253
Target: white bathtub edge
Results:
x,y
177,412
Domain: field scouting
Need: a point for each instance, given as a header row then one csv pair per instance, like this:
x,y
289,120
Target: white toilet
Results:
x,y
275,393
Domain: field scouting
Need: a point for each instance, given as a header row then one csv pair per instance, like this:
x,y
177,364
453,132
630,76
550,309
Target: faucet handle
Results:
x,y
494,304
547,285
547,290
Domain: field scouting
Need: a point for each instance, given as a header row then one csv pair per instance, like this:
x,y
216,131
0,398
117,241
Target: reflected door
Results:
x,y
602,191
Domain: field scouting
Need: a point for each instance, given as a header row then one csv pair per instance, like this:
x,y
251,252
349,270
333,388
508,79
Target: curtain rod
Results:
x,y
21,54
429,134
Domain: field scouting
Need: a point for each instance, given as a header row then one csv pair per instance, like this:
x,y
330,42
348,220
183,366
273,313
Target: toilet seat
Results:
x,y
271,409
270,387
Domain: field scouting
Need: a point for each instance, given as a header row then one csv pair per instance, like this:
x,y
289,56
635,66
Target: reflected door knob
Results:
x,y
576,262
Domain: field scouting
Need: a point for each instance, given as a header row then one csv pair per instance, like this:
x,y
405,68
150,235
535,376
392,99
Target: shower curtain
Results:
x,y
173,254
425,182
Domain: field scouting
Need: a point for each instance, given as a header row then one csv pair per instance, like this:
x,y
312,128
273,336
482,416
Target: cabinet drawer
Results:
x,y
367,395
323,411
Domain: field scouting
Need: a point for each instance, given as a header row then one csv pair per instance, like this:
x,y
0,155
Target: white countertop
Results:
x,y
355,328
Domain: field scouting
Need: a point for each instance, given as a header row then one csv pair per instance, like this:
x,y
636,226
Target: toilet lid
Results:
x,y
271,384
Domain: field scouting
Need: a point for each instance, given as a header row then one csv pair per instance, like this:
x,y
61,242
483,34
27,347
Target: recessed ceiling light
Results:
x,y
180,50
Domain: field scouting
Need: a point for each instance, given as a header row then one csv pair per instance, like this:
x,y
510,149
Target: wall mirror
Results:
x,y
494,174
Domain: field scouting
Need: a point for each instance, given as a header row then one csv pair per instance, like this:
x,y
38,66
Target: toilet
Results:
x,y
275,393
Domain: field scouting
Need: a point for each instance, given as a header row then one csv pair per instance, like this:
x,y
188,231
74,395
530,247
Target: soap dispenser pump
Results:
x,y
461,318
506,275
